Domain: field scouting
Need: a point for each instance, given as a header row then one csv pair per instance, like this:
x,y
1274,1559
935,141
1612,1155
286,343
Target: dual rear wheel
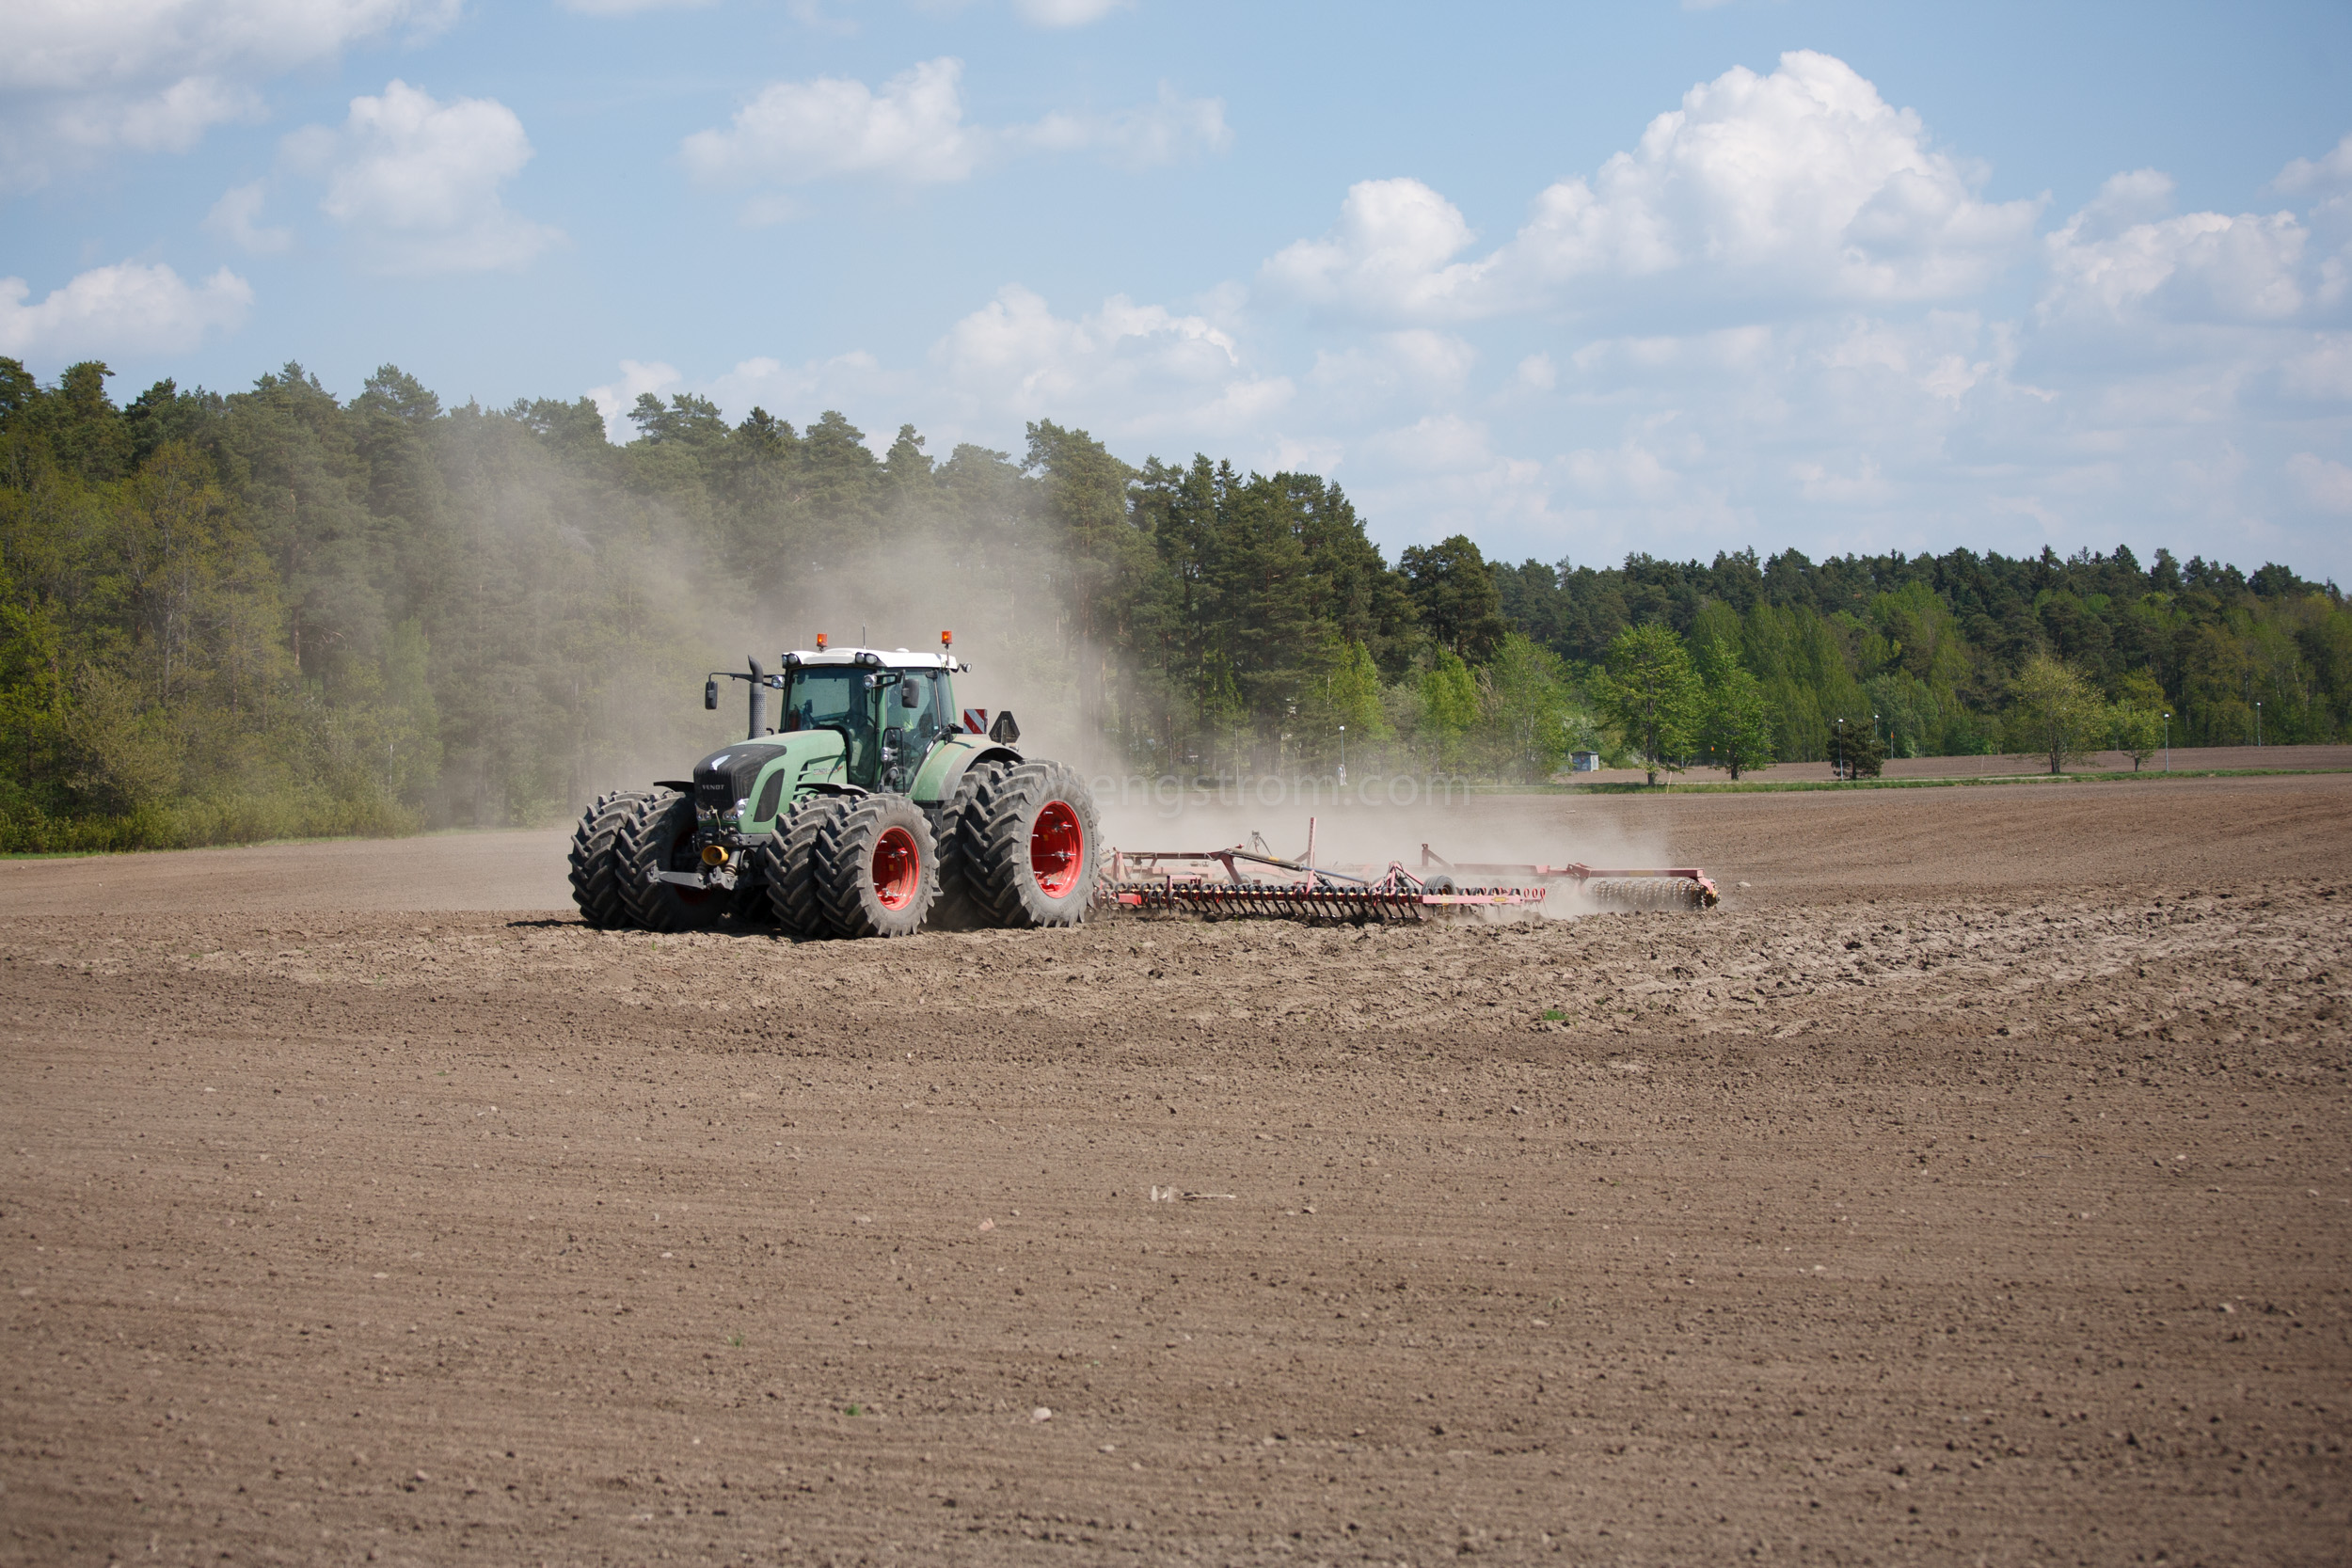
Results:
x,y
1030,847
1014,846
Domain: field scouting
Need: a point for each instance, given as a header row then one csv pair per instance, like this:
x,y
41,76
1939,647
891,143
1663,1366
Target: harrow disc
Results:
x,y
1314,905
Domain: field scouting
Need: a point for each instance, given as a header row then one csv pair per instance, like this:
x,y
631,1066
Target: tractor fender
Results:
x,y
950,760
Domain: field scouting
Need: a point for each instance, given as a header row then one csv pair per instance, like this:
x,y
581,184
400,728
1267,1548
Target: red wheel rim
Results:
x,y
1057,849
897,868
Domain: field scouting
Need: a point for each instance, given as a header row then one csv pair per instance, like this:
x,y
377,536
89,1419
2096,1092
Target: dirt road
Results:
x,y
1974,1186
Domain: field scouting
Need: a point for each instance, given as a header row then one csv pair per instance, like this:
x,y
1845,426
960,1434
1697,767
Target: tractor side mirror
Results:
x,y
710,692
910,695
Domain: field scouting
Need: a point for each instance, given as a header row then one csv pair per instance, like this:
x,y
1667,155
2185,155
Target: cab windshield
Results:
x,y
840,695
828,694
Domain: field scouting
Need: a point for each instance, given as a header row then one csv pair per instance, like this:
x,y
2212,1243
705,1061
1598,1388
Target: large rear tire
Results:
x,y
956,909
659,835
596,860
876,869
787,862
1032,846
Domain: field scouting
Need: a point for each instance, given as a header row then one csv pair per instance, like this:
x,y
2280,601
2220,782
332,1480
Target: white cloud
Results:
x,y
81,79
913,132
1388,368
845,378
2139,196
615,398
1439,441
1163,131
2323,371
794,132
2327,485
2331,171
232,218
2197,267
1863,484
1149,369
418,182
1128,372
124,308
1066,13
1841,369
1798,188
1387,257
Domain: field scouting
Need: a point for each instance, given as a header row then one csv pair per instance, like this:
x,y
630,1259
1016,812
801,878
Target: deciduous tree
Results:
x,y
1650,693
1736,721
2055,713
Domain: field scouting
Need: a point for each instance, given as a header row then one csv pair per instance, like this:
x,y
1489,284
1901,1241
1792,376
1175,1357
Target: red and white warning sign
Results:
x,y
975,720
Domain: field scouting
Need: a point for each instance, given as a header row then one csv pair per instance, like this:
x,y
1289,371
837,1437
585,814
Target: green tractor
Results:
x,y
875,807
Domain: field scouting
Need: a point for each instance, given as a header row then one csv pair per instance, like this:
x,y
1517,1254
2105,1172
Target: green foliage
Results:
x,y
1455,590
1527,710
1652,696
1931,643
1857,749
273,613
1734,728
2055,714
1449,707
2136,731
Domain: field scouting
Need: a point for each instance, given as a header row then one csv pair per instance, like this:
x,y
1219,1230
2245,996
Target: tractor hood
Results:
x,y
765,773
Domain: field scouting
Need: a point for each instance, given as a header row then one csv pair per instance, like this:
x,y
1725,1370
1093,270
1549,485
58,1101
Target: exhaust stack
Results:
x,y
759,701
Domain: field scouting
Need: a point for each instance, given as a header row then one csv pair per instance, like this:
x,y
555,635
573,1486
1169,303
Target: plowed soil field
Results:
x,y
1974,1186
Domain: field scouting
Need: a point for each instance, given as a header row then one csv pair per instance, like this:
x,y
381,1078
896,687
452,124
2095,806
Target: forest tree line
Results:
x,y
273,613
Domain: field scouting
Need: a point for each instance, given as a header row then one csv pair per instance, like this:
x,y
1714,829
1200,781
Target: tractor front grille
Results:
x,y
717,789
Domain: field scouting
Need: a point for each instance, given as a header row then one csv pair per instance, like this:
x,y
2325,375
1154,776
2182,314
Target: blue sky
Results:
x,y
1574,281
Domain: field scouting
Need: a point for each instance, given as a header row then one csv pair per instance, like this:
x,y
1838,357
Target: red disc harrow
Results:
x,y
1249,881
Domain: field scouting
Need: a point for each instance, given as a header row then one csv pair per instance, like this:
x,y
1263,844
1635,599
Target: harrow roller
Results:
x,y
1684,887
1361,905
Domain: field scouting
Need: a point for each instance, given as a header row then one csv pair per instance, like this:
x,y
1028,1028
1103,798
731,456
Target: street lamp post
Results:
x,y
1343,756
2258,724
1841,748
2168,743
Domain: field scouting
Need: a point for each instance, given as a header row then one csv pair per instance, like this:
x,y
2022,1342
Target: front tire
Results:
x,y
660,837
1032,846
787,862
596,860
876,869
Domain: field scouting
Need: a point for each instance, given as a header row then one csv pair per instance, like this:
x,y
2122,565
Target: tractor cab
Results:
x,y
889,708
